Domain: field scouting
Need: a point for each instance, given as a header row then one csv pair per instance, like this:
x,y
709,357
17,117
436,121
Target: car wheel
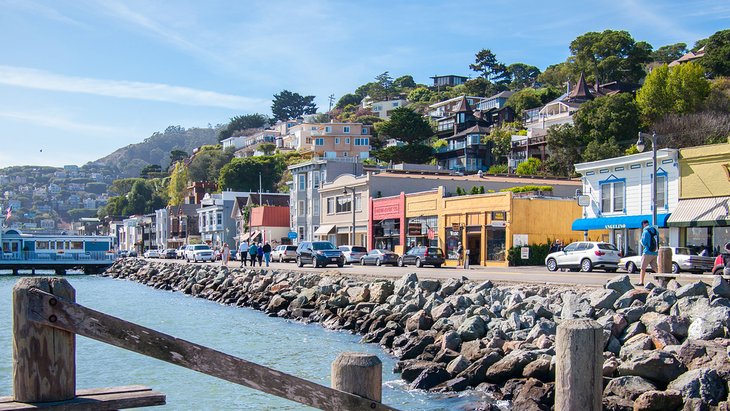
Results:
x,y
418,263
362,261
675,268
631,267
400,263
377,262
340,265
718,270
281,259
611,270
299,262
552,265
586,265
437,265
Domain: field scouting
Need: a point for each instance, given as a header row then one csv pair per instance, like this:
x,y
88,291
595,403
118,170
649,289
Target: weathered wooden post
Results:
x,y
44,358
664,261
579,362
358,373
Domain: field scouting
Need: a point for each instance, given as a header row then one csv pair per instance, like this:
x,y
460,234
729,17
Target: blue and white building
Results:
x,y
620,197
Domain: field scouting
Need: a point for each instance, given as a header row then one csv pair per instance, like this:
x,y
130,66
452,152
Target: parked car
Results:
x,y
151,253
353,253
422,255
682,260
584,256
132,252
198,252
379,257
169,253
719,266
180,252
122,253
319,253
284,253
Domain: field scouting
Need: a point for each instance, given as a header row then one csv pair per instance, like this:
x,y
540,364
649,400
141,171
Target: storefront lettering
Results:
x,y
615,226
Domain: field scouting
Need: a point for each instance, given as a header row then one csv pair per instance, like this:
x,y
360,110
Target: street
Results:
x,y
532,274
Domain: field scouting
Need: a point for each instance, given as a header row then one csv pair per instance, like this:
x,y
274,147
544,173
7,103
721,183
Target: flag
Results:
x,y
8,212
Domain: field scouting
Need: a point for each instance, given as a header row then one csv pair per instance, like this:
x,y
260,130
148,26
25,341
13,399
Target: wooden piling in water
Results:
x,y
579,363
44,358
358,373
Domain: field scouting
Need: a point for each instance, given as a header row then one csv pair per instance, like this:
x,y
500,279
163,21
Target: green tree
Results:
x,y
611,55
680,89
177,155
529,167
595,150
564,146
382,88
96,188
77,213
123,186
288,105
242,174
420,94
410,153
610,117
363,90
207,163
151,170
501,139
524,99
487,65
669,53
348,99
557,75
178,184
523,75
498,169
405,125
267,148
142,199
479,87
717,54
404,82
243,122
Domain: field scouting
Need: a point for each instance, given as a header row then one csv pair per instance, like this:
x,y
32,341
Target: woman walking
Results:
x,y
260,253
252,251
226,254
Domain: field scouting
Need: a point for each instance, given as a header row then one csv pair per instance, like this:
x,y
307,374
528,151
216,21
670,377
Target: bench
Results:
x,y
664,278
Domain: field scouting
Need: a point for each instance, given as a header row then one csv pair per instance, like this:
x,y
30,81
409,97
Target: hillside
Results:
x,y
129,160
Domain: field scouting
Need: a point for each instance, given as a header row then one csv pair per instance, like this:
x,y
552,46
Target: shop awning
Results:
x,y
324,229
701,212
245,236
255,234
609,223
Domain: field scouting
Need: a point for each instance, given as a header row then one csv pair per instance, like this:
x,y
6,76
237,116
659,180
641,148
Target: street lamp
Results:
x,y
352,229
641,145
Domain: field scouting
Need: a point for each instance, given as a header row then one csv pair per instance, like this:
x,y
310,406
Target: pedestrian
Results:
x,y
225,254
460,253
267,253
555,247
259,252
726,259
252,251
650,250
243,251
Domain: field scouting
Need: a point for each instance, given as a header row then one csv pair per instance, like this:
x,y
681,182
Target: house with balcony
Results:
x,y
465,152
382,109
619,194
242,214
176,226
448,80
448,107
246,146
330,140
214,218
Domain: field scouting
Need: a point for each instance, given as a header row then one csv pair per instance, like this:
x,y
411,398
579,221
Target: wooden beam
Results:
x,y
84,321
98,399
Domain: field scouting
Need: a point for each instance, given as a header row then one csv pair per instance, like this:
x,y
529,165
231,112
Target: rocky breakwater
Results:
x,y
664,349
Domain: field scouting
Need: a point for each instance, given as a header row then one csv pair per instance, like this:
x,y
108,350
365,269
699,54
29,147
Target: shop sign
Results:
x,y
455,226
499,215
414,229
615,226
455,233
525,253
499,224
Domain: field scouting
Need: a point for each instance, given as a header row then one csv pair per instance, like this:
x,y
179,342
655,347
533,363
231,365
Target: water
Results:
x,y
306,351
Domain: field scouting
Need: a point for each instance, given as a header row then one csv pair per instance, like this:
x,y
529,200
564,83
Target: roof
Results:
x,y
472,130
448,75
701,212
581,92
463,106
490,178
270,216
688,57
504,94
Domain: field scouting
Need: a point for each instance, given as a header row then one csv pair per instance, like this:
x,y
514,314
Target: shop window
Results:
x,y
613,194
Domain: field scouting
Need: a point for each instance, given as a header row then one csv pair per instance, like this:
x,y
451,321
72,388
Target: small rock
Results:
x,y
658,401
472,328
628,387
511,366
620,283
457,365
431,377
720,287
702,383
659,366
639,342
603,298
540,369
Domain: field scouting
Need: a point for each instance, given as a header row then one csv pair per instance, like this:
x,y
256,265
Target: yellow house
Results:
x,y
704,198
487,224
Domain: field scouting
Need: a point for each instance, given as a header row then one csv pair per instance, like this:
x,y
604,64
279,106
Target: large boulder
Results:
x,y
695,289
415,347
431,377
476,373
444,310
720,287
620,283
659,366
472,328
511,366
626,299
702,383
661,302
429,285
534,396
411,369
603,298
457,365
637,343
658,401
711,324
450,340
705,354
380,291
628,387
419,321
408,281
575,306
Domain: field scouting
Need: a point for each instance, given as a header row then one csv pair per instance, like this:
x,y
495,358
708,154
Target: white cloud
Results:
x,y
44,80
61,123
41,10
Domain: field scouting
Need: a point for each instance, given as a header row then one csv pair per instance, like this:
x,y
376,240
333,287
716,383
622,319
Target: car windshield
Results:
x,y
323,245
201,247
291,248
436,251
683,251
359,249
605,246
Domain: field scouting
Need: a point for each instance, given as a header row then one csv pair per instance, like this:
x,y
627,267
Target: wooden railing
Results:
x,y
46,320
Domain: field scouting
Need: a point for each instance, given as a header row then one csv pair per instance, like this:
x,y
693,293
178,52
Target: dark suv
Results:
x,y
319,254
421,256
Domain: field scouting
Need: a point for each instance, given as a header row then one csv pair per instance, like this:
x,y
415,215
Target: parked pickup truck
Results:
x,y
682,260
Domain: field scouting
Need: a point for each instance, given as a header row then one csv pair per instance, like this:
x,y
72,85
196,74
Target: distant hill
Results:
x,y
130,160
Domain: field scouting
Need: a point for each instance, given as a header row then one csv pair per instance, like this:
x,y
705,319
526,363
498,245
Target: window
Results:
x,y
302,182
330,205
364,130
347,140
344,205
76,245
395,104
219,218
661,191
300,208
337,140
328,129
308,140
473,139
346,129
315,206
316,179
362,141
301,233
314,128
319,141
358,202
613,196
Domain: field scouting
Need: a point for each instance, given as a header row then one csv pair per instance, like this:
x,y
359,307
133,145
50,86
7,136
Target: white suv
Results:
x,y
584,256
198,252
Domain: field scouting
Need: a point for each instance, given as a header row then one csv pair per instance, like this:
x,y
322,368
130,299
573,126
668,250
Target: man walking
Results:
x,y
243,251
650,250
267,253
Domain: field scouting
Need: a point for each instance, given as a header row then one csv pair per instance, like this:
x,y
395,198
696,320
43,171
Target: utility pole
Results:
x,y
332,100
261,202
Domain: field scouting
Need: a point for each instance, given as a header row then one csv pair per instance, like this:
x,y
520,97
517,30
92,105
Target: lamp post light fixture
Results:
x,y
352,207
641,145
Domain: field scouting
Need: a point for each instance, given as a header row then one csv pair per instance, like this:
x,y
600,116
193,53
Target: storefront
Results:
x,y
387,223
625,232
703,224
422,231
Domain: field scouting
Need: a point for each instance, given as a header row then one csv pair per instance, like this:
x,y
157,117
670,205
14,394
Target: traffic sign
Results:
x,y
292,234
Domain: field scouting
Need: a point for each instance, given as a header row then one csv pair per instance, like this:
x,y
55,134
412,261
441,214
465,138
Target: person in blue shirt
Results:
x,y
650,250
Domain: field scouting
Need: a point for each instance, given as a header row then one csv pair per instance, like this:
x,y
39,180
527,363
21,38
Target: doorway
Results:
x,y
474,245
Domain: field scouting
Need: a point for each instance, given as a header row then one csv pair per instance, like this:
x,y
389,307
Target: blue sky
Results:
x,y
79,79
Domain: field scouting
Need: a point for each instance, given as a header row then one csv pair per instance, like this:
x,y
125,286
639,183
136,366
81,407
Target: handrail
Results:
x,y
48,310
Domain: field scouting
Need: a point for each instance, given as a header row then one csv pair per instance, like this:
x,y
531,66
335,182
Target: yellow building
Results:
x,y
704,198
487,224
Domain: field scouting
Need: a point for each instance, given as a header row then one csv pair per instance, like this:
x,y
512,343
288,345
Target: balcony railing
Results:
x,y
62,257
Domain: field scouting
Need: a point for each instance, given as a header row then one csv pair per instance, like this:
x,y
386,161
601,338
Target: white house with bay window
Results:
x,y
619,190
